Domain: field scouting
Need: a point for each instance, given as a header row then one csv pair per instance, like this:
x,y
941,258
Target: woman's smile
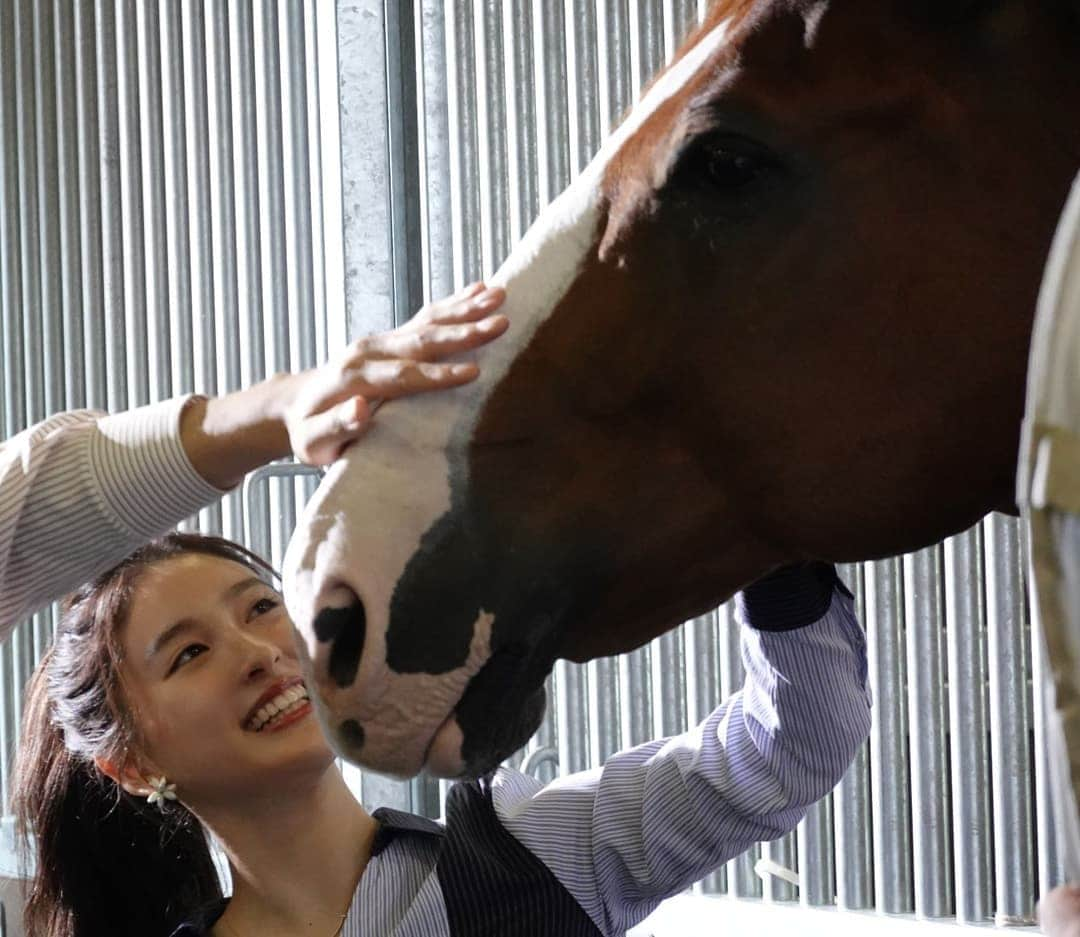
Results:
x,y
284,697
283,710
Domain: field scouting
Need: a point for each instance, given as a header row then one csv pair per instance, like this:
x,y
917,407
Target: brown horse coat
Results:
x,y
783,315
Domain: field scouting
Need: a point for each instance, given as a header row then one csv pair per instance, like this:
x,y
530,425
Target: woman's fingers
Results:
x,y
386,379
474,302
320,438
332,406
431,342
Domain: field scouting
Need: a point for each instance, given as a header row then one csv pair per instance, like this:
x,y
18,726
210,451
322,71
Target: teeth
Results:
x,y
281,704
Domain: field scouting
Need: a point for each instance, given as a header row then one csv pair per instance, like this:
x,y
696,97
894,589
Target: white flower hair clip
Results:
x,y
162,791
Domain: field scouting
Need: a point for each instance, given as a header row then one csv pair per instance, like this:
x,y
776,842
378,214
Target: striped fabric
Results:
x,y
651,822
80,491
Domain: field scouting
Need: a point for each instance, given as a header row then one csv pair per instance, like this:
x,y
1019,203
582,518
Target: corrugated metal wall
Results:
x,y
170,220
944,813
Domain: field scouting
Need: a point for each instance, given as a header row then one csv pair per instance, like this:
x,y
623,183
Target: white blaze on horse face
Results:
x,y
366,521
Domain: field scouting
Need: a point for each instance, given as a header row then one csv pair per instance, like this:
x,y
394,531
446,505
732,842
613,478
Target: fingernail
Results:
x,y
462,370
492,324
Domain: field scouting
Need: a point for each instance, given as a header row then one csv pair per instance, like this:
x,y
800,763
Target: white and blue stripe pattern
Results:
x,y
81,491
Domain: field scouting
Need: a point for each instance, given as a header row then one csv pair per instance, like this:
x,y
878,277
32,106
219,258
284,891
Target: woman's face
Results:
x,y
211,672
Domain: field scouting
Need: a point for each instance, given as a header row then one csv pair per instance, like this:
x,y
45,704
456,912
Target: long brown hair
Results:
x,y
105,862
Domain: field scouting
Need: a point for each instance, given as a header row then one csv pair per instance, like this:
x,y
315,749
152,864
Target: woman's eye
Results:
x,y
187,655
262,606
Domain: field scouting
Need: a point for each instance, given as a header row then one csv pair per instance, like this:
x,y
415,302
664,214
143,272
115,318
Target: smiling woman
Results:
x,y
171,708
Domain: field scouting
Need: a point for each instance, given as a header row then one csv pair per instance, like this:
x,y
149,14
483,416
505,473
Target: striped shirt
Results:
x,y
617,840
80,491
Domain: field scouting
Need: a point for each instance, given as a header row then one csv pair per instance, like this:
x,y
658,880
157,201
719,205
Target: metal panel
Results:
x,y
159,220
851,807
890,776
968,722
1010,721
931,832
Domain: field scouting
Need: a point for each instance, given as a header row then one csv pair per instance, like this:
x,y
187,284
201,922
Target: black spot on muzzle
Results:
x,y
345,628
352,735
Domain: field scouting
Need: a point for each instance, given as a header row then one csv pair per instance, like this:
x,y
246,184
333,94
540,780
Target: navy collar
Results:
x,y
394,823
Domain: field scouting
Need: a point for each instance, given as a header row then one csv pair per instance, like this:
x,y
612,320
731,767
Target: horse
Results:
x,y
783,315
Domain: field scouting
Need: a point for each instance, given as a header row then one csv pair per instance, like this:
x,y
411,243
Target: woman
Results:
x,y
173,683
81,490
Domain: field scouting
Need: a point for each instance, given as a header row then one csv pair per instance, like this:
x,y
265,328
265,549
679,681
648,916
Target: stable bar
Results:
x,y
890,775
464,158
491,134
965,619
931,832
1010,722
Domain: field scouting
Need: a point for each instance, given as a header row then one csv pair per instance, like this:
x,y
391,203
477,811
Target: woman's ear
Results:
x,y
130,776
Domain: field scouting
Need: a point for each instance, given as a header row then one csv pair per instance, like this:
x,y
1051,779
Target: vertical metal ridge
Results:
x,y
1010,722
222,231
274,249
11,416
890,775
29,228
297,172
552,118
200,235
147,54
48,198
931,827
112,221
615,62
491,126
852,816
461,113
523,198
69,269
583,85
966,638
132,208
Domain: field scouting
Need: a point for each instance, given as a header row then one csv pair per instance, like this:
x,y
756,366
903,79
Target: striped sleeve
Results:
x,y
80,491
661,816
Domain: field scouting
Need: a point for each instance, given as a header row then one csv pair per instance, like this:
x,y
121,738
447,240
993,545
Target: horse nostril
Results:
x,y
345,629
352,734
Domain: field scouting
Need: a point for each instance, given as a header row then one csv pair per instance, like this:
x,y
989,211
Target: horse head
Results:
x,y
784,314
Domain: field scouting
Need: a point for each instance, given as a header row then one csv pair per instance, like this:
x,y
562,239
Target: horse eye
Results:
x,y
729,169
723,163
732,169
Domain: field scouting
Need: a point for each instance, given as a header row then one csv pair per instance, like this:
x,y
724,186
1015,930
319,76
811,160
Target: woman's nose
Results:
x,y
260,657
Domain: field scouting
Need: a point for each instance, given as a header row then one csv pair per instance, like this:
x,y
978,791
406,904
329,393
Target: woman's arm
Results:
x,y
661,816
80,491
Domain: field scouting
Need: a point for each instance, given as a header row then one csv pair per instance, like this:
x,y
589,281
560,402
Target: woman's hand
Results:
x,y
316,414
334,406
